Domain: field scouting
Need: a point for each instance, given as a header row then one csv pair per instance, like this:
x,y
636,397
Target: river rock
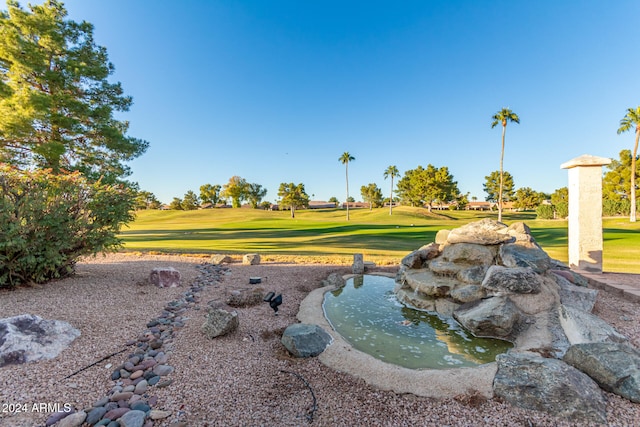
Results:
x,y
492,317
614,366
549,385
581,327
133,418
74,420
28,338
520,280
95,415
220,322
305,340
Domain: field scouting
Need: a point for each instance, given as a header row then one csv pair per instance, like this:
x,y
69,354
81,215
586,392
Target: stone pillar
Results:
x,y
585,212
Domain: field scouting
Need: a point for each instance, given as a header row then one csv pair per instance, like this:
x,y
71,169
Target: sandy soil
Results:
x,y
246,378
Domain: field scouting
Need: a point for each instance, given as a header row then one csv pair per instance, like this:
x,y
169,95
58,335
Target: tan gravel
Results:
x,y
246,378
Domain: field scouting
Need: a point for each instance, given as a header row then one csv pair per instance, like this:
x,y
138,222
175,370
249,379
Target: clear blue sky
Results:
x,y
275,91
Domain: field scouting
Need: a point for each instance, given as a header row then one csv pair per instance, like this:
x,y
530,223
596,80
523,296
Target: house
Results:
x,y
479,206
316,204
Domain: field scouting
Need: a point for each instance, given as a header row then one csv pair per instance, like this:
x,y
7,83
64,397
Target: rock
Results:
x,y
116,413
484,232
157,414
29,338
165,277
369,265
468,293
492,317
123,395
446,307
474,275
445,268
426,282
549,385
574,296
141,387
251,259
55,417
220,322
245,297
73,420
614,366
572,277
218,259
305,340
132,418
581,327
417,258
335,280
417,300
469,253
162,370
358,264
95,415
515,255
520,280
441,236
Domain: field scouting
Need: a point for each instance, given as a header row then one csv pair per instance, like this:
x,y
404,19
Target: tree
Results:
x,y
293,196
210,193
345,159
629,121
419,187
492,186
146,200
334,200
176,204
372,194
391,172
503,116
255,194
190,201
616,184
57,105
236,190
526,198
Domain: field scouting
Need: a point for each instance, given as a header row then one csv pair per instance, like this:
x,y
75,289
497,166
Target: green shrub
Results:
x,y
562,209
48,221
544,212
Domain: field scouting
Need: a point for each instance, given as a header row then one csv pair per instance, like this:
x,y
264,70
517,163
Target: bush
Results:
x,y
48,221
562,209
544,212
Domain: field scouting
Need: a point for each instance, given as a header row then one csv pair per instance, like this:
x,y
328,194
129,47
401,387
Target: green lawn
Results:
x,y
326,236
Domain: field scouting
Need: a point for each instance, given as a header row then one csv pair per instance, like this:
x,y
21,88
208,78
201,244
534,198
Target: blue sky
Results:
x,y
275,91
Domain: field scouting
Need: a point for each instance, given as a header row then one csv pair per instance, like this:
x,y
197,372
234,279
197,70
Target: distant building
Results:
x,y
479,206
316,204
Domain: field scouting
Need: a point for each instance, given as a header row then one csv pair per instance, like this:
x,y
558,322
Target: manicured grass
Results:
x,y
325,235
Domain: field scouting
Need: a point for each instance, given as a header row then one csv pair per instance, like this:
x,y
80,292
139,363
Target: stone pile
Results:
x,y
497,282
129,403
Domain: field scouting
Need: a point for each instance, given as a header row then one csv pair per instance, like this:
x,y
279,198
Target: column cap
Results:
x,y
586,160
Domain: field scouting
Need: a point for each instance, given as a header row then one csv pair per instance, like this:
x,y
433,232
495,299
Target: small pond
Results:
x,y
367,314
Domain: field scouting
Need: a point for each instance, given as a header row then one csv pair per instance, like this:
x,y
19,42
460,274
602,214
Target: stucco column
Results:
x,y
585,212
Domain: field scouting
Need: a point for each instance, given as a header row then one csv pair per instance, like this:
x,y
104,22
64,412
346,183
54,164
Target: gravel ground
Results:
x,y
243,379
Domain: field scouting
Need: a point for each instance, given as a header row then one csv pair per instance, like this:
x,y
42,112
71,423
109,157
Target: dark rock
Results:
x,y
549,385
114,414
95,415
132,418
55,417
305,340
154,379
614,366
521,280
140,406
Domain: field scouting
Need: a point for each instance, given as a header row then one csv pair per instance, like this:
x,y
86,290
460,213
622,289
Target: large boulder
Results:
x,y
491,317
245,297
165,277
426,282
517,255
220,322
305,340
575,296
484,232
469,253
581,327
520,280
220,259
474,275
251,259
614,366
29,338
468,293
549,385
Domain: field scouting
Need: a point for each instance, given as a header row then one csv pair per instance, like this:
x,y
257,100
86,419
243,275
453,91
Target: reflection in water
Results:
x,y
367,314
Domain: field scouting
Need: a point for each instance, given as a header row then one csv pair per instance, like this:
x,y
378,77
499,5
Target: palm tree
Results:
x,y
503,116
392,172
632,119
345,159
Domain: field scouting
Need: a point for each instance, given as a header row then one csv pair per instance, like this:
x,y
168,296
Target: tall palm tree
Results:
x,y
503,116
392,172
632,120
345,159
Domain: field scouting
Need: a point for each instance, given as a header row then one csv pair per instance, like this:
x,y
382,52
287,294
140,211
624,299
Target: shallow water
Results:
x,y
367,314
